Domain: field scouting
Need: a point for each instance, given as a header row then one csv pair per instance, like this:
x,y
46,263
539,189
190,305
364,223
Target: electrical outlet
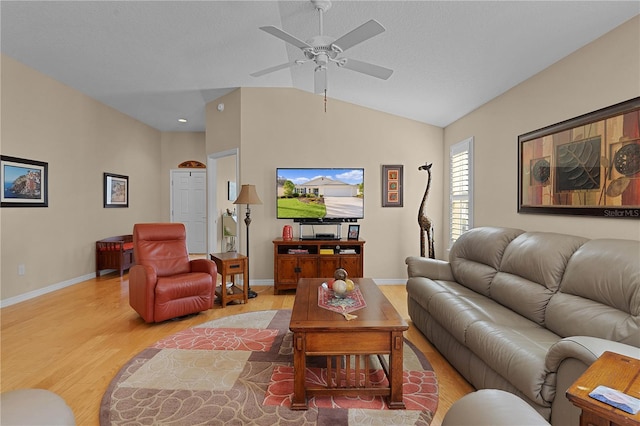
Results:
x,y
21,269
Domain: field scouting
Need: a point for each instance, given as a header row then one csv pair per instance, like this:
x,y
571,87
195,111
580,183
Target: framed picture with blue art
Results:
x,y
24,182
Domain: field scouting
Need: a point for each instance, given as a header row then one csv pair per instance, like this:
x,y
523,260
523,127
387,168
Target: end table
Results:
x,y
615,371
229,265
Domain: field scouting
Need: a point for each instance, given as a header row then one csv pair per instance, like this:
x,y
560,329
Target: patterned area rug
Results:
x,y
238,370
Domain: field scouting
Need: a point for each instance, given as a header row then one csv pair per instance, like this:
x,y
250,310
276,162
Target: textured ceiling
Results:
x,y
157,61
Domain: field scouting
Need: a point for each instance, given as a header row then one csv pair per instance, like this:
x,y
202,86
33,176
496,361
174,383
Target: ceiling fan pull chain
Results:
x,y
325,101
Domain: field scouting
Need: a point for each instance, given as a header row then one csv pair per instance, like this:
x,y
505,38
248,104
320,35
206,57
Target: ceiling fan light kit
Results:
x,y
323,50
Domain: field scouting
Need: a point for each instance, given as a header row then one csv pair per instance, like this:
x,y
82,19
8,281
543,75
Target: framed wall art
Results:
x,y
392,186
354,232
588,165
116,190
24,182
231,191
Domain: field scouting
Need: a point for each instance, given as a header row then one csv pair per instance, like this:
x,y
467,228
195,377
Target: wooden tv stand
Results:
x,y
298,258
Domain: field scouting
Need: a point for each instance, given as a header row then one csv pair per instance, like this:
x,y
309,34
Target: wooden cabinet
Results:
x,y
297,259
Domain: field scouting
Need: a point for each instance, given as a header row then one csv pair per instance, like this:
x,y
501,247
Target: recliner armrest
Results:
x,y
204,265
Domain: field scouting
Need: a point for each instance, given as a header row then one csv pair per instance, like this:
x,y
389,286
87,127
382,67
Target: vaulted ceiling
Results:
x,y
158,61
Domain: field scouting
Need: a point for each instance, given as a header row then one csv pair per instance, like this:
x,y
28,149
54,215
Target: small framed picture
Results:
x,y
354,232
24,182
392,185
116,190
231,191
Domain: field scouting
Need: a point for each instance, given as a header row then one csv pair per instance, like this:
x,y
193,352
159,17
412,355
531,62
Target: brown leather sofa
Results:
x,y
528,312
164,283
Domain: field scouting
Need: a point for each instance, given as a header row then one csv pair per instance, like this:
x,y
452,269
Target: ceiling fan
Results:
x,y
323,50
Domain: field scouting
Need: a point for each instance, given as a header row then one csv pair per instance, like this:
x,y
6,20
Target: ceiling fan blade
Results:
x,y
272,69
320,80
367,68
363,32
277,32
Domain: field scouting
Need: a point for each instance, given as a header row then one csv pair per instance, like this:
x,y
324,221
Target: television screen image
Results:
x,y
308,194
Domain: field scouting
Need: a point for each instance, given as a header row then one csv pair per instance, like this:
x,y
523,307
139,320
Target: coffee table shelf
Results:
x,y
347,345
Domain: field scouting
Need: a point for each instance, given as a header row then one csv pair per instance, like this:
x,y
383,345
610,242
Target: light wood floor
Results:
x,y
73,341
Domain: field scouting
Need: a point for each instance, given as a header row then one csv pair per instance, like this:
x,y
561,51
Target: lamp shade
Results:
x,y
248,195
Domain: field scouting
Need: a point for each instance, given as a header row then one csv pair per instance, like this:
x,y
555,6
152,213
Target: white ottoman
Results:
x,y
34,407
492,407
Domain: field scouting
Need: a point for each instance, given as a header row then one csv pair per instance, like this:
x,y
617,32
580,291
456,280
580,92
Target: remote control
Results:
x,y
617,399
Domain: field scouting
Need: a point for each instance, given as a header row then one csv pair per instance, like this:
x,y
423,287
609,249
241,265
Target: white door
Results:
x,y
188,205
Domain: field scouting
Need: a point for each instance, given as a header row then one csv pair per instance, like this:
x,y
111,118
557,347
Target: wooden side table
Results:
x,y
615,371
229,265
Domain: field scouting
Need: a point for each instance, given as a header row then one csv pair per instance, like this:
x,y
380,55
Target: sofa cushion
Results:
x,y
183,285
606,271
456,307
600,293
477,254
527,298
442,299
540,257
531,271
517,352
183,294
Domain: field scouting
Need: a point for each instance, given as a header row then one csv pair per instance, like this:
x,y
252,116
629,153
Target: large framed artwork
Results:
x,y
392,185
588,165
25,182
116,190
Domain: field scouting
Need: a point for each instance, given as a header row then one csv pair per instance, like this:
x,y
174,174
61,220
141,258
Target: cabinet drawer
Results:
x,y
233,267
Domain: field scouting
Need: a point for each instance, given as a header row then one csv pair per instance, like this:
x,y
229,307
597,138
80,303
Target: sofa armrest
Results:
x,y
434,269
585,349
142,286
569,358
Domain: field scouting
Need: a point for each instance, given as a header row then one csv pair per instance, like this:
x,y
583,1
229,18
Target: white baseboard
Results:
x,y
42,291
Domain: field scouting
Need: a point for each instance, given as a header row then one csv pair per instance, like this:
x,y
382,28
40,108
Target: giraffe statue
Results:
x,y
425,223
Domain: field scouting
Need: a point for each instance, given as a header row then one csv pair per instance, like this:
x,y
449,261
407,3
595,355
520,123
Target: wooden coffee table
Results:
x,y
347,345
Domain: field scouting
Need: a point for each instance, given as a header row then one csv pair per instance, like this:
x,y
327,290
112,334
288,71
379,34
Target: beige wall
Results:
x,y
289,128
223,127
225,172
80,139
603,73
175,148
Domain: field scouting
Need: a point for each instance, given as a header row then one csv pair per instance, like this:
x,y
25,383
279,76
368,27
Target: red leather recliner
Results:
x,y
164,283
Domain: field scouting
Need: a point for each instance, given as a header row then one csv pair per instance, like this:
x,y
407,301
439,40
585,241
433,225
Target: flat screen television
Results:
x,y
320,194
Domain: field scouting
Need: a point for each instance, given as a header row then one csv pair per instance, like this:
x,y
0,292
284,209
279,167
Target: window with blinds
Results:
x,y
461,189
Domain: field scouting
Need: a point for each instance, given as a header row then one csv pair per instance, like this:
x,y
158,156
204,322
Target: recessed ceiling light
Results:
x,y
182,120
